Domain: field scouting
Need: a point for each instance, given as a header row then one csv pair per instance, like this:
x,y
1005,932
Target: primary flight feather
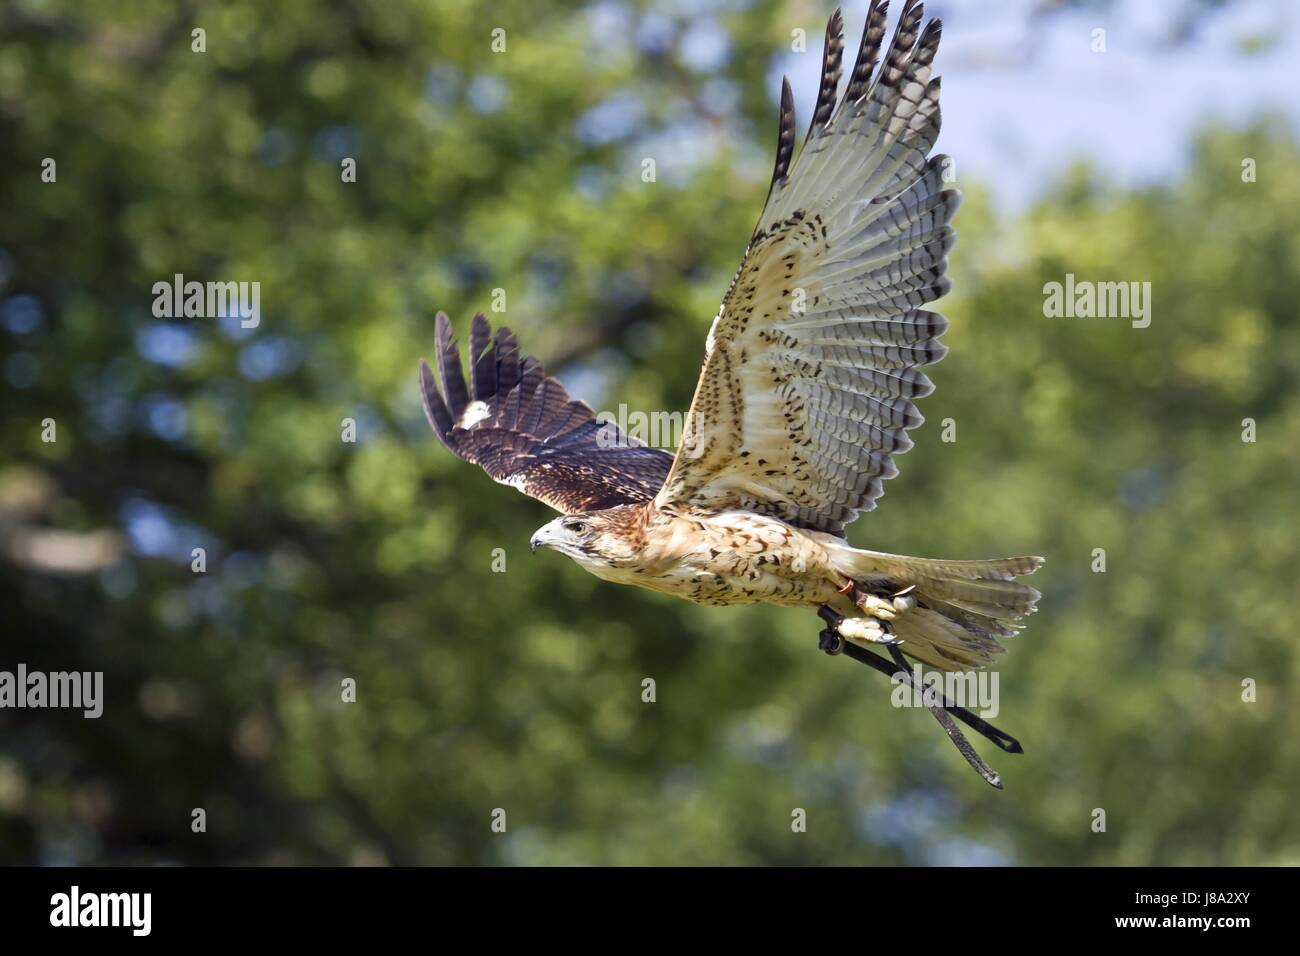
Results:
x,y
811,370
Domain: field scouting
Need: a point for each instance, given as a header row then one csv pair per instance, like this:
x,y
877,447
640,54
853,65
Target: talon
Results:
x,y
888,634
904,601
846,589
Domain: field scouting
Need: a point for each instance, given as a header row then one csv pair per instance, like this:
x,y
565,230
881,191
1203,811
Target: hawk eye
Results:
x,y
577,527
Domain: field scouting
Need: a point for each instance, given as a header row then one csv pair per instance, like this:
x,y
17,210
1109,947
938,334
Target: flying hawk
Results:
x,y
810,371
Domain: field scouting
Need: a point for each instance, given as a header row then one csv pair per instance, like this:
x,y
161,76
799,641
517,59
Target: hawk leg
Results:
x,y
832,642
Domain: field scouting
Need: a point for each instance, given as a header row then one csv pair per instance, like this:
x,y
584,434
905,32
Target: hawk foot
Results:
x,y
870,629
884,607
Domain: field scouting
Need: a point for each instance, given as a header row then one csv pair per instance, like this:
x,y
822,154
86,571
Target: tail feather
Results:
x,y
941,642
994,569
962,607
986,623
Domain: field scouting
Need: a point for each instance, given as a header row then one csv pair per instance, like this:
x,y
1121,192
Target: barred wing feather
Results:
x,y
813,363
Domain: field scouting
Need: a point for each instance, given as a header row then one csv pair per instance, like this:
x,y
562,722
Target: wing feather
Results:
x,y
785,135
524,430
832,56
813,362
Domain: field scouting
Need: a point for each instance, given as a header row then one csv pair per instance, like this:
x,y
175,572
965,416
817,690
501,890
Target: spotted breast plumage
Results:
x,y
811,371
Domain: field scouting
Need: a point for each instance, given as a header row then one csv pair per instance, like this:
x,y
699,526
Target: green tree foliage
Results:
x,y
475,690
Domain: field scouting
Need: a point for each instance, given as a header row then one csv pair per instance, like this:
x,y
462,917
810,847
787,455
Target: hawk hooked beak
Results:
x,y
544,537
556,536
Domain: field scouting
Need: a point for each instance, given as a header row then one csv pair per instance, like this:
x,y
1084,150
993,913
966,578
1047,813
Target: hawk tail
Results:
x,y
961,607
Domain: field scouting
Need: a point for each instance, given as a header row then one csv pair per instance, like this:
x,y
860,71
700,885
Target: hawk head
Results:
x,y
595,539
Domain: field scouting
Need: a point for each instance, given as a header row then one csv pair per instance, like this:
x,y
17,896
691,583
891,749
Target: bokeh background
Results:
x,y
522,690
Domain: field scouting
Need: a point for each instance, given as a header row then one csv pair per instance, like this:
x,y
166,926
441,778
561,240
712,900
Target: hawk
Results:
x,y
807,393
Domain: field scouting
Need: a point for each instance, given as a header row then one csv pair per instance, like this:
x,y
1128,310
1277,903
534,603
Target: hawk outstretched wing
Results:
x,y
811,365
522,428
